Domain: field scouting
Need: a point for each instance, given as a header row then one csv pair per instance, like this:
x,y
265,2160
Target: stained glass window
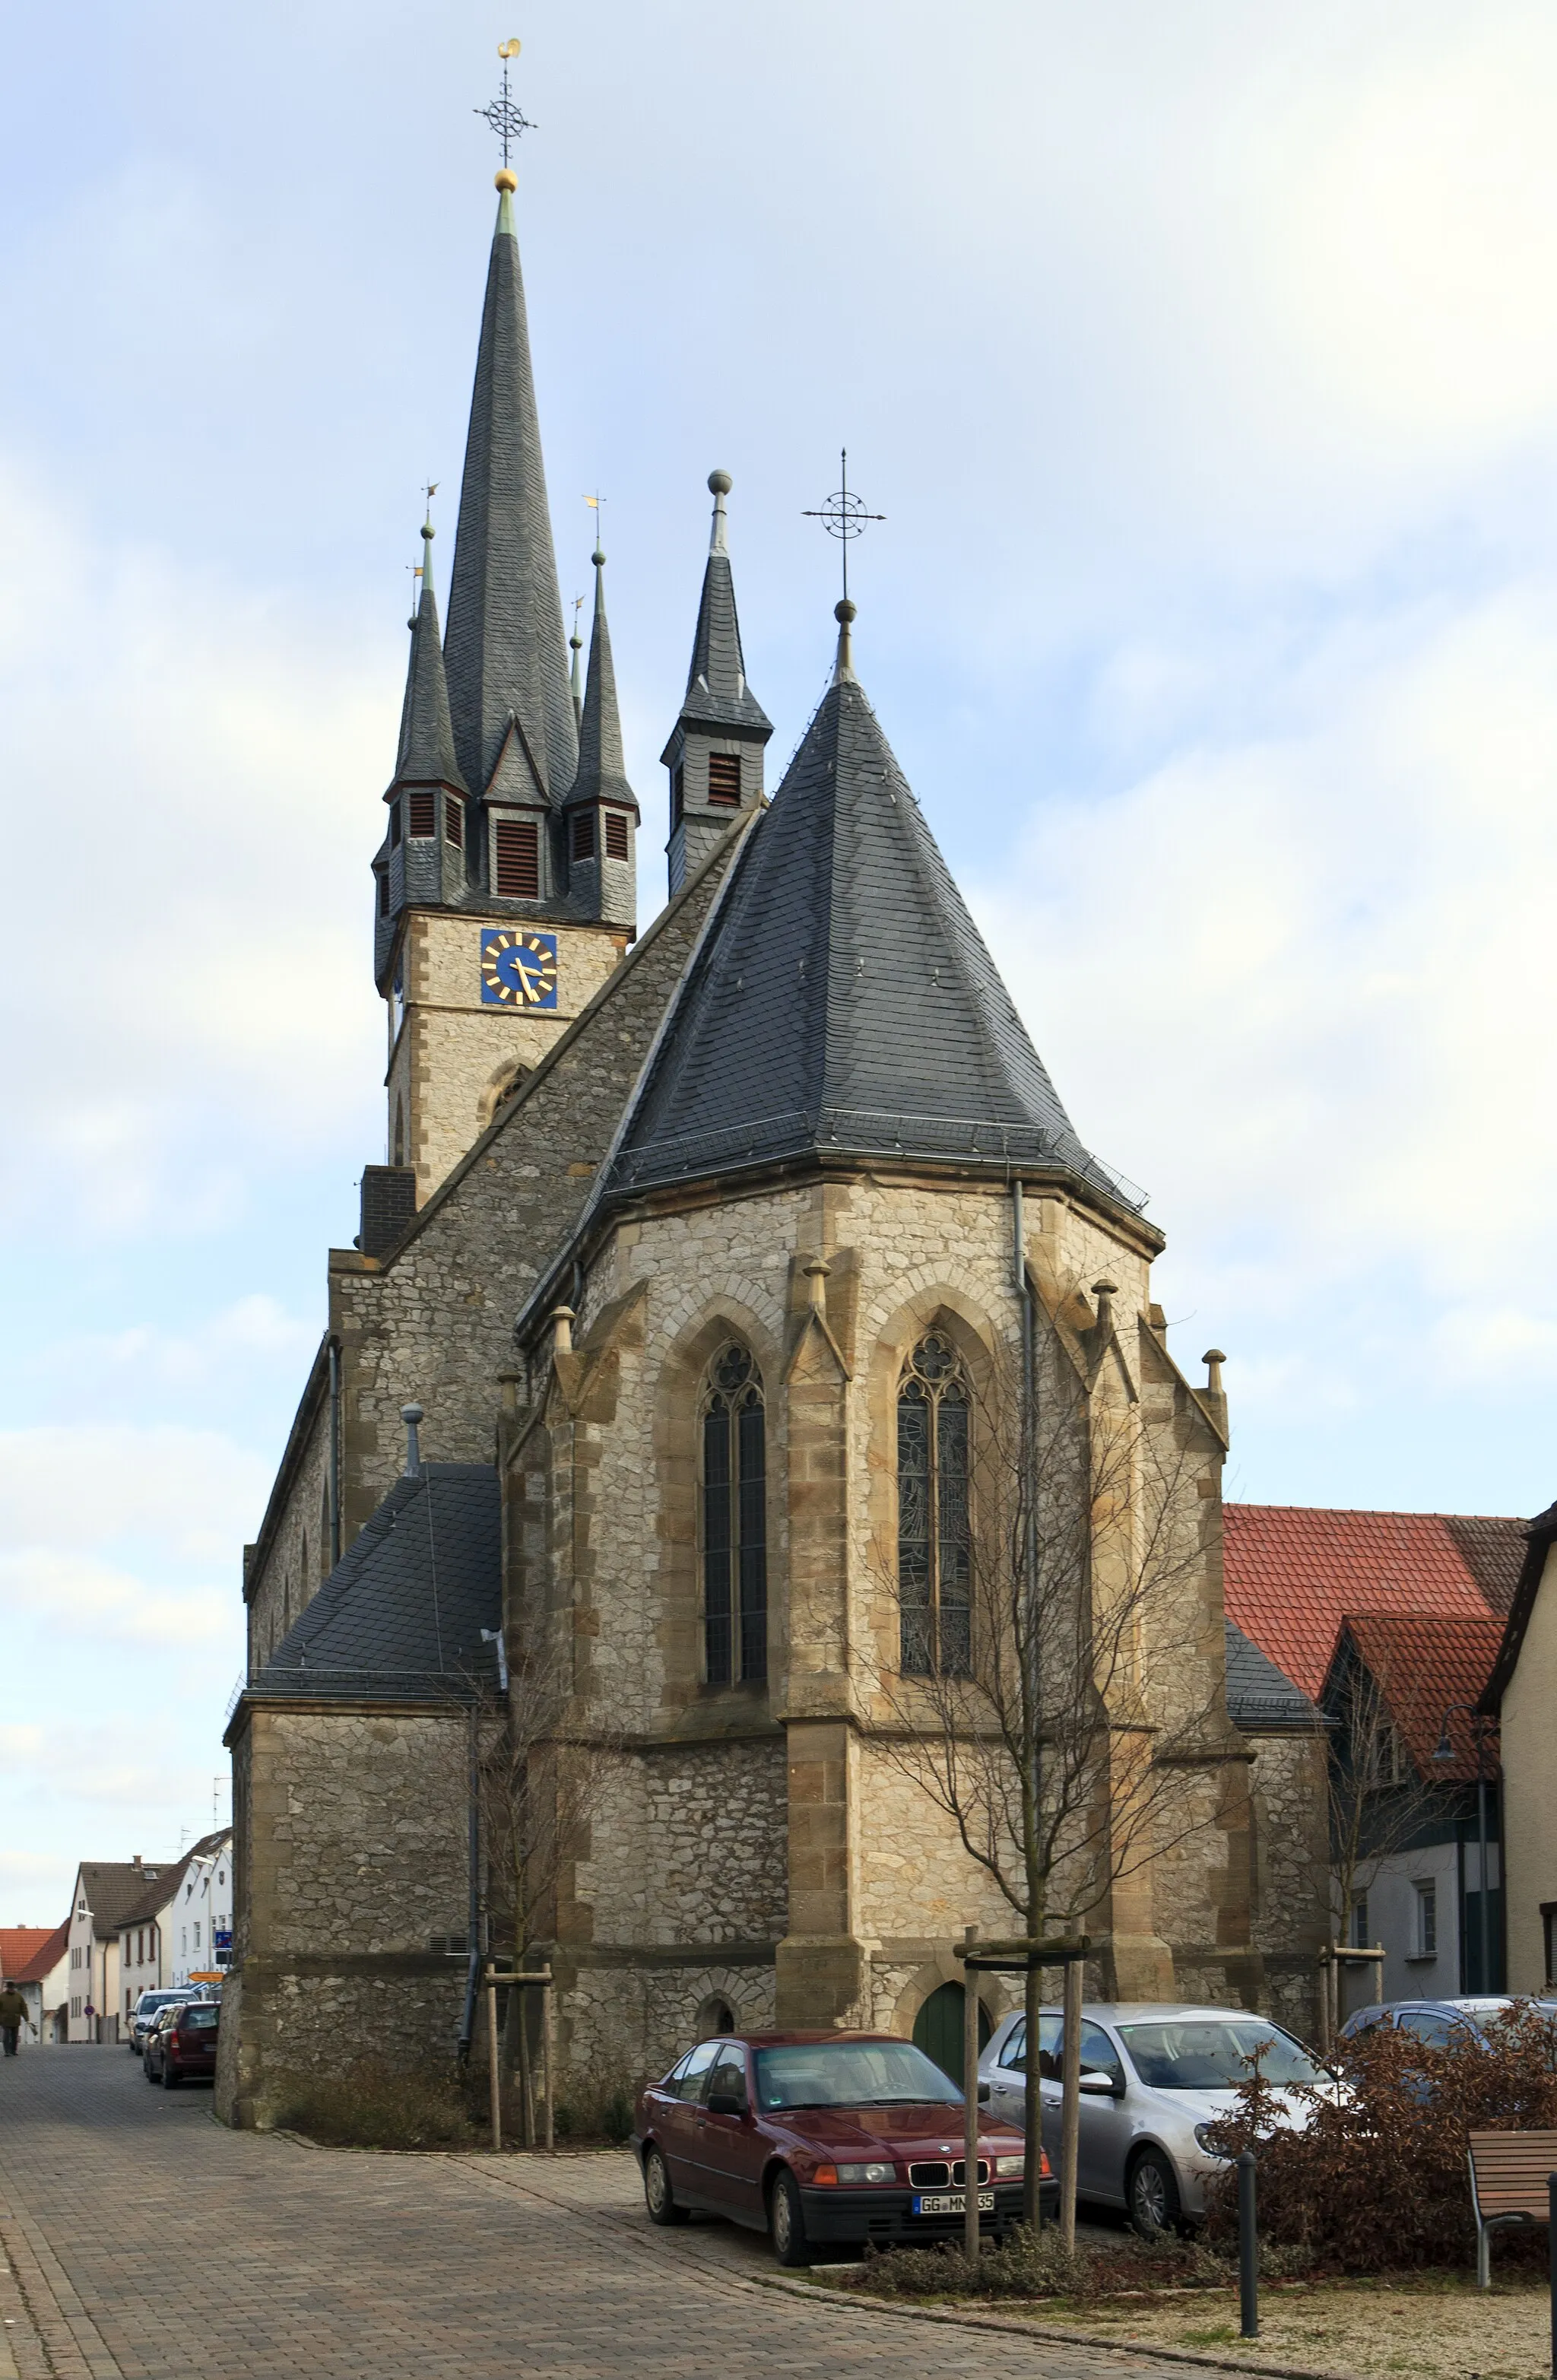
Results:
x,y
734,1522
935,1573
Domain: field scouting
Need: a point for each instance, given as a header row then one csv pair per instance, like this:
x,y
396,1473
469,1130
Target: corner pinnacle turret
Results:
x,y
716,748
600,815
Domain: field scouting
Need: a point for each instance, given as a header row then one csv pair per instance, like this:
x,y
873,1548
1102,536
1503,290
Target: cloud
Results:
x,y
190,1492
83,1597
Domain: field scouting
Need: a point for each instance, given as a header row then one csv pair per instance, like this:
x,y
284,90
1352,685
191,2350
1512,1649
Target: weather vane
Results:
x,y
844,515
503,114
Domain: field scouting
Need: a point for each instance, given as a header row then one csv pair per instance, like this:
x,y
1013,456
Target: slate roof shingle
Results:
x,y
399,1617
717,693
1261,1698
602,771
1293,1572
845,1000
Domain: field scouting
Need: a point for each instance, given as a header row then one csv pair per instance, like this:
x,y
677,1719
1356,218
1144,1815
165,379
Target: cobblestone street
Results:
x,y
142,2239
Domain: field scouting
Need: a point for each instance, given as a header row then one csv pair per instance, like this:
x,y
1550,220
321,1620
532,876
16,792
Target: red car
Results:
x,y
183,2042
819,2137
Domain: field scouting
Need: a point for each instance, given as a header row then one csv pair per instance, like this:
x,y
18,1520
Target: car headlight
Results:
x,y
1009,2168
867,2173
1203,2140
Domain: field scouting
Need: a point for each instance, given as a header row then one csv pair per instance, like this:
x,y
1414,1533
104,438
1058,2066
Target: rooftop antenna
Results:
x,y
503,112
844,514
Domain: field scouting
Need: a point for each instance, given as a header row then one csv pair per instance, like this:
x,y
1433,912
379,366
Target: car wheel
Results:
x,y
170,2080
786,2220
1151,2195
658,2196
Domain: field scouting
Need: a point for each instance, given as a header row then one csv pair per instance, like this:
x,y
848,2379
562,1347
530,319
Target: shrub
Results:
x,y
372,2106
1033,2264
597,2106
1378,2179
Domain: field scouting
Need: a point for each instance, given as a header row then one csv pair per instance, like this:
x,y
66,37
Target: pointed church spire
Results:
x,y
505,649
426,743
716,748
845,1003
600,815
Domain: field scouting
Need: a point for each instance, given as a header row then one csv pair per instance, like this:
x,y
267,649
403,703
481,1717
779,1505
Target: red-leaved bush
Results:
x,y
1378,2179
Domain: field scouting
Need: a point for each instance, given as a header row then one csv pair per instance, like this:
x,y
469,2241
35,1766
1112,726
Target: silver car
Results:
x,y
1152,2078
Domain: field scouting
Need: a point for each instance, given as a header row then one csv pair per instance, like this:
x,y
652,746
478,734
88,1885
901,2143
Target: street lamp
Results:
x,y
1445,1751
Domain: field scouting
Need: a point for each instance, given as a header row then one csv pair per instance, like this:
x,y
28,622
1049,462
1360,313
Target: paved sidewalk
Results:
x,y
145,2242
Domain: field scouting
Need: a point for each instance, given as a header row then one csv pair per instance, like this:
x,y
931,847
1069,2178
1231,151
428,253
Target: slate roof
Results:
x,y
1423,1663
505,651
602,771
426,737
1261,1698
399,1617
717,693
43,1960
844,1000
1292,1574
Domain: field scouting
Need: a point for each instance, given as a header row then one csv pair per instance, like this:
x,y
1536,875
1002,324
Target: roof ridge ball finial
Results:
x,y
719,486
1213,1360
412,1416
845,614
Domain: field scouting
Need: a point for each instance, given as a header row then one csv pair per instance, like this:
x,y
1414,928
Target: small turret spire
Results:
x,y
600,814
575,675
715,751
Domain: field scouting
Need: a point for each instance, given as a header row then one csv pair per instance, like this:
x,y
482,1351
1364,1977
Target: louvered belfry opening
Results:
x,y
584,834
616,835
422,814
454,820
516,859
724,779
734,1522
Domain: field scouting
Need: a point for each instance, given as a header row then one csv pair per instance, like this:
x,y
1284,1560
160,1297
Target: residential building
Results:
x,y
36,1963
1520,1701
171,1935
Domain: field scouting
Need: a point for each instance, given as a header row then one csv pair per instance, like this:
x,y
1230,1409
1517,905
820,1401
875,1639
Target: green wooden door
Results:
x,y
938,2029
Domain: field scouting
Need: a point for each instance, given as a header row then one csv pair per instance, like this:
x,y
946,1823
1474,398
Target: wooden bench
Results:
x,y
1509,2172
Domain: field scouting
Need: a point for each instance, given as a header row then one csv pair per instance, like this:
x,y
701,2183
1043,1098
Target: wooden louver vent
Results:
x,y
516,859
384,894
724,779
584,834
454,820
423,818
616,835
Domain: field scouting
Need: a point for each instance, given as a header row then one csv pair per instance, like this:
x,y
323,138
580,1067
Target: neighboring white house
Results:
x,y
177,1929
105,1891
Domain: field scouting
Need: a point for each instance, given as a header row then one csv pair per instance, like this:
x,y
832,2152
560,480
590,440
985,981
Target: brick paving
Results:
x,y
143,2242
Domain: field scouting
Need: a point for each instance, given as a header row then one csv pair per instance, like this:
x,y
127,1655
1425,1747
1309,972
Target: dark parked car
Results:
x,y
182,2043
819,2137
1442,2024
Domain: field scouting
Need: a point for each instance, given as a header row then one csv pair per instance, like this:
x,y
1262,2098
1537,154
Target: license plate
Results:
x,y
952,2201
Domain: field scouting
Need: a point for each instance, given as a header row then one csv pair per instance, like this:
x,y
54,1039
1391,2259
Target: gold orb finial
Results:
x,y
505,180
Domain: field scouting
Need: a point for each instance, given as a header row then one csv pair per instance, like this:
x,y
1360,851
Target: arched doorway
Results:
x,y
938,2029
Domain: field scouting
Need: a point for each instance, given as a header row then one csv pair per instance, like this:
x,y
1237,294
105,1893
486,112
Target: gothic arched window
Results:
x,y
734,1520
934,1549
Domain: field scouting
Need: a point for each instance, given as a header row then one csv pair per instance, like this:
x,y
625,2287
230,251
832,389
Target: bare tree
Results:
x,y
1054,1698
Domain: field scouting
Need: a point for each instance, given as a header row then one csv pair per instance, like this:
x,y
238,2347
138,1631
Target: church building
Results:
x,y
727,1285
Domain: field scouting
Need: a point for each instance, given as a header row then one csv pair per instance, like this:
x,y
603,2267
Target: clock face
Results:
x,y
518,970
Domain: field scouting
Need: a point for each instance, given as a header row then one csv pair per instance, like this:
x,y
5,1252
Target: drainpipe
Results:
x,y
472,1964
334,1451
1032,1676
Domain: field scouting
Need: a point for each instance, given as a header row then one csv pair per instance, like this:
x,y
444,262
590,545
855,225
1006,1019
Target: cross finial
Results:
x,y
844,514
503,115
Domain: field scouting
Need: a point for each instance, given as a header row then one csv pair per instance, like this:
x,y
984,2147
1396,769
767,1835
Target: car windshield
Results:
x,y
1203,2054
851,2074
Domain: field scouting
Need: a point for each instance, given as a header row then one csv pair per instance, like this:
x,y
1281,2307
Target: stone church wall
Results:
x,y
433,1325
350,1876
1292,1872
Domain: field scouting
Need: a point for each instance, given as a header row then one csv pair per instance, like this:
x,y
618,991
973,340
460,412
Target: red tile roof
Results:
x,y
28,1952
1293,1572
1424,1663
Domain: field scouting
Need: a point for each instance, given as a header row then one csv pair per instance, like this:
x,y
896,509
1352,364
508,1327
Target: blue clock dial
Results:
x,y
518,969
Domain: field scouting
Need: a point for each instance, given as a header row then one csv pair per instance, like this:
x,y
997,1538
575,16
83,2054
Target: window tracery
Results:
x,y
734,1520
934,1553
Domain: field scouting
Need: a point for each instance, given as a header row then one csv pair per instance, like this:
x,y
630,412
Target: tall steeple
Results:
x,y
505,649
422,857
716,748
845,1006
600,815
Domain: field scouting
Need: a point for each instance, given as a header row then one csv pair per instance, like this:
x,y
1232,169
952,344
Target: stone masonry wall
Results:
x,y
351,1877
1292,1872
434,1324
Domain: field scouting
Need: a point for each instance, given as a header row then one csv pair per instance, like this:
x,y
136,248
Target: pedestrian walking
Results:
x,y
13,2016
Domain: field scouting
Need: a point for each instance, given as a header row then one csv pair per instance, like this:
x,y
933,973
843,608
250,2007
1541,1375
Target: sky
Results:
x,y
1203,363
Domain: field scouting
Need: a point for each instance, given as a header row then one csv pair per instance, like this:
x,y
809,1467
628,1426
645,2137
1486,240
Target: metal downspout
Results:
x,y
473,1967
